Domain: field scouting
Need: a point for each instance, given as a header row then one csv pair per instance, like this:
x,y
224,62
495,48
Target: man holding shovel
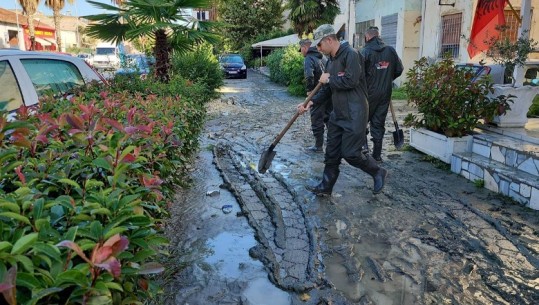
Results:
x,y
382,66
313,66
345,83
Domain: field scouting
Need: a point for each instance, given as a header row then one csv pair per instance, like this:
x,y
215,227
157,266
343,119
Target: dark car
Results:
x,y
233,66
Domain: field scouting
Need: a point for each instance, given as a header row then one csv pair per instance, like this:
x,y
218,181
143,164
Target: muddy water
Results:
x,y
212,247
430,238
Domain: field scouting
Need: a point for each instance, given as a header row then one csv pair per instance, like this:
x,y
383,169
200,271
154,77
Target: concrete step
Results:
x,y
512,152
498,177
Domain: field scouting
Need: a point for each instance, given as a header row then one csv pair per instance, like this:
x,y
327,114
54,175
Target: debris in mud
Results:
x,y
227,208
379,272
365,300
304,297
213,193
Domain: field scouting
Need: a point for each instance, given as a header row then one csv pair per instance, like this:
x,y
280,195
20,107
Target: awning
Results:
x,y
43,42
277,42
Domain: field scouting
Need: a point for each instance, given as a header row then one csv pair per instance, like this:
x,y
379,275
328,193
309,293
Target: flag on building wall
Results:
x,y
488,15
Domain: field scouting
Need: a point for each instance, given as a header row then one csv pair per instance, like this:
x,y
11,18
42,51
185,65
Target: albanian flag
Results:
x,y
488,15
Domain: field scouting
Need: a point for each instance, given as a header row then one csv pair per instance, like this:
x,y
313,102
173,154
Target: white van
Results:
x,y
107,57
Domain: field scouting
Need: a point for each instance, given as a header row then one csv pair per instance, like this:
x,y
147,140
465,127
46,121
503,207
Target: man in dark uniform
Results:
x,y
382,66
344,81
313,66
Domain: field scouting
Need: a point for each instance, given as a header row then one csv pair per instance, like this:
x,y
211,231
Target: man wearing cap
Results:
x,y
382,66
344,81
313,66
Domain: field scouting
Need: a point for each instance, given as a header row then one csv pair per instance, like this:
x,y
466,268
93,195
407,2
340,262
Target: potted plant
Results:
x,y
512,56
450,101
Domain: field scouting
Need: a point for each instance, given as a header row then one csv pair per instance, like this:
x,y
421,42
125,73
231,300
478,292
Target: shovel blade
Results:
x,y
398,138
265,160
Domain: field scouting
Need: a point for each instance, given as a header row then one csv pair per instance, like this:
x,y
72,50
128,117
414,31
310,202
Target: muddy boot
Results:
x,y
377,150
318,145
370,166
324,188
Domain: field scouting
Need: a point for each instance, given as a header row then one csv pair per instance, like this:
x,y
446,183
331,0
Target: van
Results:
x,y
107,56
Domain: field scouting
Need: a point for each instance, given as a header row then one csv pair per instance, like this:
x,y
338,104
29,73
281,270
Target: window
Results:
x,y
359,36
203,15
56,76
13,39
9,88
511,23
450,40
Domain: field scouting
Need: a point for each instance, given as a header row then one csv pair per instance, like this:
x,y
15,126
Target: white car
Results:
x,y
26,76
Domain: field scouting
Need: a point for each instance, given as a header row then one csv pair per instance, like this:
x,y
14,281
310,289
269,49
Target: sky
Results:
x,y
79,7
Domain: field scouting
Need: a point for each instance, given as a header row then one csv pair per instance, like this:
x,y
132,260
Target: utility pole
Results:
x,y
18,26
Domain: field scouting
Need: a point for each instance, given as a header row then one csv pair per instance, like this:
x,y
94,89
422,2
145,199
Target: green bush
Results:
x,y
399,94
274,64
292,65
84,187
447,100
199,66
286,68
534,108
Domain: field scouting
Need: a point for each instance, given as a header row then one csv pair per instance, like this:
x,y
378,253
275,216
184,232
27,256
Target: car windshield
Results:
x,y
104,51
232,59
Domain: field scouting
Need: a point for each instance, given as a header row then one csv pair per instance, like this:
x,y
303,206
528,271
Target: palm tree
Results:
x,y
57,6
307,15
164,21
29,7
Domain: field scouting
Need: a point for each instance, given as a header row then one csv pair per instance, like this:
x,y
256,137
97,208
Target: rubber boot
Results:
x,y
318,146
324,188
377,150
370,166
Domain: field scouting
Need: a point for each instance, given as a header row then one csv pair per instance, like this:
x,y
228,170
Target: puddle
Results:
x,y
216,248
230,253
260,293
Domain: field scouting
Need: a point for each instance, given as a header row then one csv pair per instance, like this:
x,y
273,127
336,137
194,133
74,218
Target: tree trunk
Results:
x,y
31,32
162,56
57,18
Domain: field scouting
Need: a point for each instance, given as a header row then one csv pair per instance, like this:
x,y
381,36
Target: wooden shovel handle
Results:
x,y
393,114
293,119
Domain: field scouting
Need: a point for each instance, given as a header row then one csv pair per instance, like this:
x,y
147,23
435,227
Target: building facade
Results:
x,y
399,22
15,32
446,27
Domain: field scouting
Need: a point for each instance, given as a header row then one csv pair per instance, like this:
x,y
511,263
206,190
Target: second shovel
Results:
x,y
398,134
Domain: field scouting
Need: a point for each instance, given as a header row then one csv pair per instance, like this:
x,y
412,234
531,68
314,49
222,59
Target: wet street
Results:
x,y
431,237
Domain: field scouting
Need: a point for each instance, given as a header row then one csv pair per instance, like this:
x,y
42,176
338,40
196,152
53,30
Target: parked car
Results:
x,y
233,65
87,57
497,72
136,64
26,76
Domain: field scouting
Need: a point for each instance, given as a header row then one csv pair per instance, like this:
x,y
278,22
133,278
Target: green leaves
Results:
x,y
448,101
80,203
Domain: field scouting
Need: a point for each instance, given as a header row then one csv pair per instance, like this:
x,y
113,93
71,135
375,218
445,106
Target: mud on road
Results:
x,y
431,237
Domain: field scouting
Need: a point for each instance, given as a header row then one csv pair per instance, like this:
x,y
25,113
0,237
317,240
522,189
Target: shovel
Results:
x,y
398,135
267,156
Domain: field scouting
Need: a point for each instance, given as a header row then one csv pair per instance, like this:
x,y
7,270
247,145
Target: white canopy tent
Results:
x,y
275,43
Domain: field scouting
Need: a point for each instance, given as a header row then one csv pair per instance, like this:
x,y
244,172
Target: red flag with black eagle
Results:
x,y
488,15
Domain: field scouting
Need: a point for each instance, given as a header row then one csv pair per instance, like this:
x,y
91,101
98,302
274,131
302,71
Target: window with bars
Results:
x,y
511,25
451,30
359,36
203,15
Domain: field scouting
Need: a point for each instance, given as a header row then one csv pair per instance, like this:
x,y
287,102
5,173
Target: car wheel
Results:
x,y
245,76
